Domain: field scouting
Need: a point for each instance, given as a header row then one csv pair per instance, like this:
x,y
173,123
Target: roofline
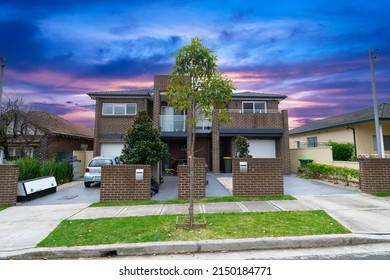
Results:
x,y
337,126
120,94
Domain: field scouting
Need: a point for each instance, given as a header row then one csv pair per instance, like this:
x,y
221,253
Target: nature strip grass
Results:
x,y
382,194
202,200
219,226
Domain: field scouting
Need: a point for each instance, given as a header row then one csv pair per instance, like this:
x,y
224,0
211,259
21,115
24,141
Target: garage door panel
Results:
x,y
111,149
259,148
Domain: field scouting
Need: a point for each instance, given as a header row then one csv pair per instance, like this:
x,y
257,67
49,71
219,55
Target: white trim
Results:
x,y
113,105
253,107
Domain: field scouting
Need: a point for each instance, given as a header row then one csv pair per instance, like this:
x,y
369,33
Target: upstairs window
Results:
x,y
254,107
119,109
312,142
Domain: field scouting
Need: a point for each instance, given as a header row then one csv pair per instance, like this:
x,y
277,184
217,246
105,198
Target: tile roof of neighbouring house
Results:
x,y
122,93
359,116
258,95
56,125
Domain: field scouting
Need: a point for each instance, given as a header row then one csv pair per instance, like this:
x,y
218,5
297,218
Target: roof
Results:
x,y
122,93
258,95
355,117
56,125
149,92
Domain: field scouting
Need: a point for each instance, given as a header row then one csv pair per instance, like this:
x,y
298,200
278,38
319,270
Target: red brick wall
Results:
x,y
183,173
114,125
264,177
8,184
119,184
374,175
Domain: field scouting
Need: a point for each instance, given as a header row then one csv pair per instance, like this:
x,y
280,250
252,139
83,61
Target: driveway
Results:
x,y
71,193
294,185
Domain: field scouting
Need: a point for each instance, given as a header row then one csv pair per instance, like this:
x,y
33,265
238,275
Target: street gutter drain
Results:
x,y
108,254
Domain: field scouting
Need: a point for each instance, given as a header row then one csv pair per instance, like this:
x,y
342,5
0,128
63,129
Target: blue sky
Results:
x,y
315,52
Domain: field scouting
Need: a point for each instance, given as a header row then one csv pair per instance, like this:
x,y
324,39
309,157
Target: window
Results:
x,y
254,107
119,109
312,142
386,142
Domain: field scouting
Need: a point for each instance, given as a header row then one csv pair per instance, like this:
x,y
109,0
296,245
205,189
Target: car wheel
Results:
x,y
87,184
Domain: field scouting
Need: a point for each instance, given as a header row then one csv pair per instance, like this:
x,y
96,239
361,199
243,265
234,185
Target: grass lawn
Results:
x,y
220,226
2,208
383,194
202,200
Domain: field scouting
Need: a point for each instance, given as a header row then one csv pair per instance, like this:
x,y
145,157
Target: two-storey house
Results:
x,y
255,116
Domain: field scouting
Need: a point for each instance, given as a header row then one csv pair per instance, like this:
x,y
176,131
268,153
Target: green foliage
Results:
x,y
30,168
342,151
242,147
197,84
328,172
142,143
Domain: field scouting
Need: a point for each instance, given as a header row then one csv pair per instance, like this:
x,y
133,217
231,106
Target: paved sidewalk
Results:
x,y
23,227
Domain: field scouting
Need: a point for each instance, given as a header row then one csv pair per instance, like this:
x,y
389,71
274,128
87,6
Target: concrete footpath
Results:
x,y
23,227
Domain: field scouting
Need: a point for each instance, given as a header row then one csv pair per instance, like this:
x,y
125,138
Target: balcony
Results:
x,y
172,123
177,123
264,118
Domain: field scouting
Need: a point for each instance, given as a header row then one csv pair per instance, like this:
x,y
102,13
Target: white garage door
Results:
x,y
262,148
111,149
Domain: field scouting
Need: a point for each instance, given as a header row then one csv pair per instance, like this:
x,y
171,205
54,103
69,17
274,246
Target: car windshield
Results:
x,y
100,162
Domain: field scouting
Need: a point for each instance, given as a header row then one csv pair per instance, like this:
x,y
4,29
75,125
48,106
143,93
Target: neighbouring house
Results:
x,y
47,136
357,127
255,116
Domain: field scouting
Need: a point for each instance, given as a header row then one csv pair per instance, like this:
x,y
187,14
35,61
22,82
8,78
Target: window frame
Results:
x,y
254,107
118,105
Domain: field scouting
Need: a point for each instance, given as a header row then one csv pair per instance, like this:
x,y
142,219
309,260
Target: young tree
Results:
x,y
197,87
142,143
242,147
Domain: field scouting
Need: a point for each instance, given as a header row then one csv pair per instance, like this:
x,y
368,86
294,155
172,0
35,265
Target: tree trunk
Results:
x,y
191,152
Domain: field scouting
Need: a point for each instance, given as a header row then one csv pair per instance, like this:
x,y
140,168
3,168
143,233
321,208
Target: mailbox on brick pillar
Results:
x,y
139,174
243,167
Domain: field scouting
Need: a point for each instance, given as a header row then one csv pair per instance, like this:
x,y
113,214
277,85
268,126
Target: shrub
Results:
x,y
30,168
242,147
328,172
340,151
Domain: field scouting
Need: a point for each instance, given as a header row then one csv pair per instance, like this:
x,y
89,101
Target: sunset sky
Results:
x,y
315,52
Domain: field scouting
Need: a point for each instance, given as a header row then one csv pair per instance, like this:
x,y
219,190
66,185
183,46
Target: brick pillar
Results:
x,y
8,184
374,175
285,144
183,172
215,145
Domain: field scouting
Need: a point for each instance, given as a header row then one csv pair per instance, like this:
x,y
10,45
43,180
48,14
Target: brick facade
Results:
x,y
112,129
183,172
119,183
8,184
374,175
264,177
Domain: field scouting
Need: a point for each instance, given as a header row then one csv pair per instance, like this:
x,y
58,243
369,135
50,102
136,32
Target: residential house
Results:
x,y
357,127
48,135
255,116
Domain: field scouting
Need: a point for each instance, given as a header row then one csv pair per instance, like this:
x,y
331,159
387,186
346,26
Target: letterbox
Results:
x,y
139,174
243,167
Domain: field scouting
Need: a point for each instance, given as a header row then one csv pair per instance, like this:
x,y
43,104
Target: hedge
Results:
x,y
30,168
328,172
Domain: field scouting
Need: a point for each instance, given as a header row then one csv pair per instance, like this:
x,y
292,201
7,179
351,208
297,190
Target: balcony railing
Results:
x,y
172,123
261,111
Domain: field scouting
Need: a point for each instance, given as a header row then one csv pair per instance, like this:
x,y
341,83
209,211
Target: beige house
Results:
x,y
356,127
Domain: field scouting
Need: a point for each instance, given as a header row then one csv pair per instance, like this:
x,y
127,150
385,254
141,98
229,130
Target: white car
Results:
x,y
93,173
